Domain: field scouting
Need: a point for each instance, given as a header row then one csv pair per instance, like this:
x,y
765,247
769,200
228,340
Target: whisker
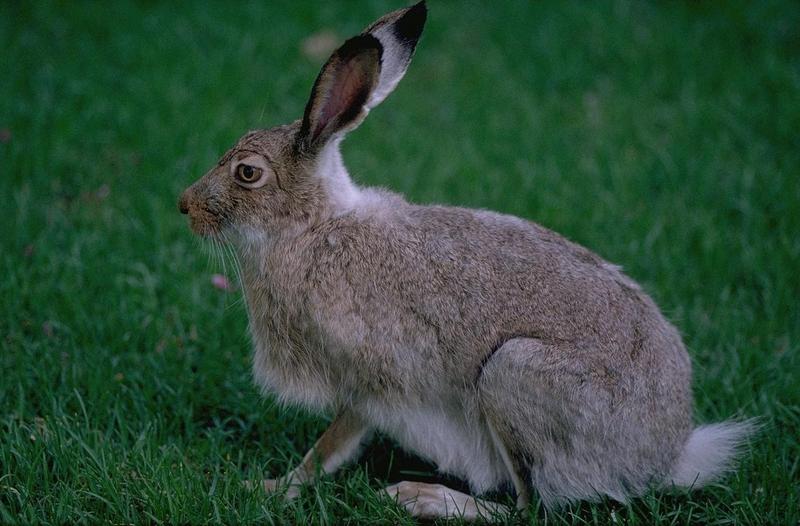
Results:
x,y
237,268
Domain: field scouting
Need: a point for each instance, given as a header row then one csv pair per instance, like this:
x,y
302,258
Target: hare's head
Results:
x,y
275,178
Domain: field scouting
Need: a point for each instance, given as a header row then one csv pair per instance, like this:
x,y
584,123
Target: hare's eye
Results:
x,y
247,174
251,172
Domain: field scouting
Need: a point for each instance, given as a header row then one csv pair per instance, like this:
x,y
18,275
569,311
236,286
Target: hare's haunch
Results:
x,y
485,343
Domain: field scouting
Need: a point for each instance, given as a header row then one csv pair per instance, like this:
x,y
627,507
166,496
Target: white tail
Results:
x,y
710,452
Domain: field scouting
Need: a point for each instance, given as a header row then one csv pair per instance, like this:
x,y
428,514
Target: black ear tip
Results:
x,y
409,26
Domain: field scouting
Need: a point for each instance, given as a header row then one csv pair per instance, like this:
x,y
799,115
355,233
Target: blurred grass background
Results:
x,y
662,135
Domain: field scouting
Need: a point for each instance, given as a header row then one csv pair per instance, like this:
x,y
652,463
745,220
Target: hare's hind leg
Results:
x,y
514,465
524,396
434,501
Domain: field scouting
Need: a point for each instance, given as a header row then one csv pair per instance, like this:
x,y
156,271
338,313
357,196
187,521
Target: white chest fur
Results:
x,y
449,435
280,369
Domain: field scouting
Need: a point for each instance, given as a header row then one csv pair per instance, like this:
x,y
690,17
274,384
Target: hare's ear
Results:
x,y
398,32
359,75
340,93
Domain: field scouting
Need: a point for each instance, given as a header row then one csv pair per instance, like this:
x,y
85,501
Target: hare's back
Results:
x,y
480,277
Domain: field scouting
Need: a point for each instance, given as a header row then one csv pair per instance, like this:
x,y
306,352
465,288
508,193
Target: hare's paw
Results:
x,y
432,501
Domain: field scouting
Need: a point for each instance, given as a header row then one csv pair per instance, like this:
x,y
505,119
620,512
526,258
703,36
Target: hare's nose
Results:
x,y
183,202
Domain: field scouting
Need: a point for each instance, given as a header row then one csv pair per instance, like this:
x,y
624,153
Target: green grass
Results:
x,y
662,135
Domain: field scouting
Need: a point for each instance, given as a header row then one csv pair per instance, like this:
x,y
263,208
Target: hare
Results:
x,y
495,348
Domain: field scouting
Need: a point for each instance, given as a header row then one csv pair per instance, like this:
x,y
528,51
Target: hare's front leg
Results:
x,y
337,445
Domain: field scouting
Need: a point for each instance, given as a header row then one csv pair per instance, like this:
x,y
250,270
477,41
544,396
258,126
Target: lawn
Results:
x,y
662,135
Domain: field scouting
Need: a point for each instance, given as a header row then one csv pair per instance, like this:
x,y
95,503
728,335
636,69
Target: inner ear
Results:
x,y
341,90
347,93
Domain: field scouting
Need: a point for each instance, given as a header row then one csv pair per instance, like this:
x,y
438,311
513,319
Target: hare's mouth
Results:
x,y
205,224
204,217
